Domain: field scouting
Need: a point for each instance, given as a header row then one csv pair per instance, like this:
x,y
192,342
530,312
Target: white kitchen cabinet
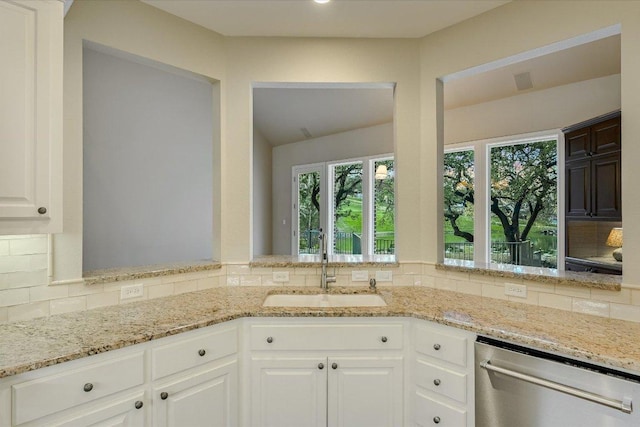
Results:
x,y
31,116
326,373
289,392
125,411
197,370
203,397
365,391
443,377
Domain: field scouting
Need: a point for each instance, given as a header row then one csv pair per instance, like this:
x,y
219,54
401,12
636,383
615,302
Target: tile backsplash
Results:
x,y
26,291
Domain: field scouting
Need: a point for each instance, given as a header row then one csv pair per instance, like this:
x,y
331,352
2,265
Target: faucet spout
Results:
x,y
324,278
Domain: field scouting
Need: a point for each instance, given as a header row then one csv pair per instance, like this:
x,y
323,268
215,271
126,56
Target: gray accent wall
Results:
x,y
147,169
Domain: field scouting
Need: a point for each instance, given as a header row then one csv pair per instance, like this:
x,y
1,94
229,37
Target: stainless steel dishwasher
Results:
x,y
520,387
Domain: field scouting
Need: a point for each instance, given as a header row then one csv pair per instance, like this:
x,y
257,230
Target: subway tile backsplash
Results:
x,y
26,291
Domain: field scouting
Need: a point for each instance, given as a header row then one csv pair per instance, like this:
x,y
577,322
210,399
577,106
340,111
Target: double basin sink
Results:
x,y
324,300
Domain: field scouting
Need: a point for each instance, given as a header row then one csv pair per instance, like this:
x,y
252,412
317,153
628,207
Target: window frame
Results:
x,y
482,183
327,181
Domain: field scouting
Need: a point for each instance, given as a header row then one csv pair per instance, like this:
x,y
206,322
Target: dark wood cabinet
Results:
x,y
593,169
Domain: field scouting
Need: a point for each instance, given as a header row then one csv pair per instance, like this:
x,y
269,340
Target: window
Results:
x,y
458,204
513,218
361,215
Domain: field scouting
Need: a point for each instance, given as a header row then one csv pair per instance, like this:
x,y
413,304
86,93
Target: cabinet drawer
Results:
x,y
429,412
442,381
326,337
43,396
447,347
191,352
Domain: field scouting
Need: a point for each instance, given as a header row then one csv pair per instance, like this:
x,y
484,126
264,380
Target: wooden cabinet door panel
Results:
x,y
578,186
578,144
606,183
606,137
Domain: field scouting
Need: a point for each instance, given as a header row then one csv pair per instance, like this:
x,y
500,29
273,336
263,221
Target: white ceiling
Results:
x,y
584,62
339,18
280,113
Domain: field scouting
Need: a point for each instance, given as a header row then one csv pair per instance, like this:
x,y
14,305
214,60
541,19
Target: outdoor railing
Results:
x,y
346,243
517,253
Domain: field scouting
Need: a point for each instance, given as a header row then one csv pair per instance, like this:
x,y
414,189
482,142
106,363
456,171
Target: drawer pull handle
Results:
x,y
42,210
269,340
436,382
202,352
436,420
436,347
139,404
383,339
88,387
334,365
164,395
320,365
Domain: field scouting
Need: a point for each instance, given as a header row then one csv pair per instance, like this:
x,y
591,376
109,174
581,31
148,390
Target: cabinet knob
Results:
x,y
42,210
139,404
320,365
436,346
88,387
164,395
383,339
590,154
202,352
436,420
269,340
436,382
334,365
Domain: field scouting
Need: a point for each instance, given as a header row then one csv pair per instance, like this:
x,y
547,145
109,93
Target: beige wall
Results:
x,y
318,60
541,110
509,30
135,28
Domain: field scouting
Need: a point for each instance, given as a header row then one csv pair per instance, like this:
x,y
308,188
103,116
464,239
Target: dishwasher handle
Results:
x,y
623,405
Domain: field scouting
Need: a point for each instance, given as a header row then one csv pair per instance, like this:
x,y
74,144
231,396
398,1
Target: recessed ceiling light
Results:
x,y
322,1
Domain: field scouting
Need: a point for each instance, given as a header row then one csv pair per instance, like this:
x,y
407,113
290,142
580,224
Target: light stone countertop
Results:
x,y
37,343
315,260
539,274
144,272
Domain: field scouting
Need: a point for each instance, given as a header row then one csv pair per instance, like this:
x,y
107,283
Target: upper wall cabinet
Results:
x,y
593,169
31,116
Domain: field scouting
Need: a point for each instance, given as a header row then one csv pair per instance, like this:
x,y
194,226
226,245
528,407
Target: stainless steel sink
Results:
x,y
324,300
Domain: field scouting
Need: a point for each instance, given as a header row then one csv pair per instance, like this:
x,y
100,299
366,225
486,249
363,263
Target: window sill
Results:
x,y
147,271
539,274
314,260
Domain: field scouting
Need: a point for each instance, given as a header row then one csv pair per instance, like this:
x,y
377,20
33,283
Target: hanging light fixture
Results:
x,y
382,172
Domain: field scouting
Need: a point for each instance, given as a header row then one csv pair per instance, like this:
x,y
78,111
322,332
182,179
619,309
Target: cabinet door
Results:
x,y
201,398
289,392
578,188
577,144
365,392
128,411
30,116
606,137
606,187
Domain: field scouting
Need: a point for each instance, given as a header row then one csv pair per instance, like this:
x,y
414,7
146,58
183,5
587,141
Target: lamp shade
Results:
x,y
381,172
615,238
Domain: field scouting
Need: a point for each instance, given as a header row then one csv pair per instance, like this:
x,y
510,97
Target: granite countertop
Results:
x,y
608,282
314,260
144,272
37,343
